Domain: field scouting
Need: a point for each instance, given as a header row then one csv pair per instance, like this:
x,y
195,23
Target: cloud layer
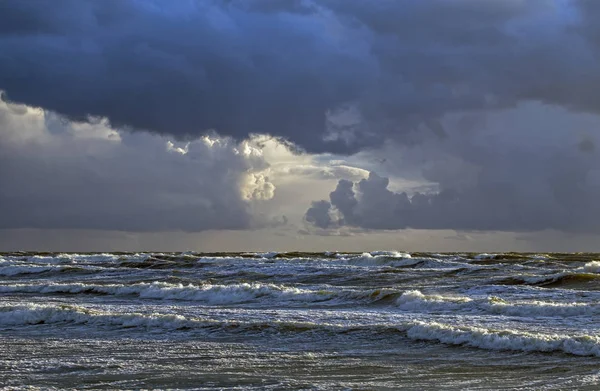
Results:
x,y
351,72
492,106
60,174
531,168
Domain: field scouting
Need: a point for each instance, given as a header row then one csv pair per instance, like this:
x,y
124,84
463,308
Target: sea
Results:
x,y
382,320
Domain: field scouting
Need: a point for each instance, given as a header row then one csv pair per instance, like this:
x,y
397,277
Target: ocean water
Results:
x,y
300,321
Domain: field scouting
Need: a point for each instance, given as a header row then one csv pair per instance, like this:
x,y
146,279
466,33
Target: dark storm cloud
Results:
x,y
489,207
318,214
179,67
374,206
278,67
526,169
381,77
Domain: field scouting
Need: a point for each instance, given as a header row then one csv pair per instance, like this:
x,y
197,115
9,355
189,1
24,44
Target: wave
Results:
x,y
592,267
391,254
44,314
17,270
245,293
14,270
486,256
70,258
368,259
512,256
34,314
563,279
479,337
211,294
471,336
416,301
404,260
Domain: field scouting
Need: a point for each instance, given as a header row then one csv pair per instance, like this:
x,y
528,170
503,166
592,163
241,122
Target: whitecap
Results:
x,y
416,301
484,338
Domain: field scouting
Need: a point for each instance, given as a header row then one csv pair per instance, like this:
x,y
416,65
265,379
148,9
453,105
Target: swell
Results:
x,y
272,294
213,294
408,261
579,278
18,270
512,256
470,336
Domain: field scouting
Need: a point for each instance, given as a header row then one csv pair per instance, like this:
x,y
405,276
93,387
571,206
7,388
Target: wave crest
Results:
x,y
416,301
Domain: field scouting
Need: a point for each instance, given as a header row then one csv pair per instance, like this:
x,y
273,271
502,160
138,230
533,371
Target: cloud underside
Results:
x,y
328,75
57,174
531,168
369,204
143,115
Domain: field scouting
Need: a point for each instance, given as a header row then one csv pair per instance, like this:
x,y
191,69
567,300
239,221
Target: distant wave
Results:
x,y
405,260
381,258
573,279
16,270
209,293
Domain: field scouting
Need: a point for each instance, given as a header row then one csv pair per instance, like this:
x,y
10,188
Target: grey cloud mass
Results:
x,y
369,204
283,67
531,168
491,107
56,174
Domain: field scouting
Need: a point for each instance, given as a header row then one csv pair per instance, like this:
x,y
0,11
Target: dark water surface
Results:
x,y
372,321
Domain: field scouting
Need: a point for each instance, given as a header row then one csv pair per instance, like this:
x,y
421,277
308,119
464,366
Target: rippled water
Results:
x,y
381,320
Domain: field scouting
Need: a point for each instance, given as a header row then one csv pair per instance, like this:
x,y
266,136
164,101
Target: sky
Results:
x,y
313,125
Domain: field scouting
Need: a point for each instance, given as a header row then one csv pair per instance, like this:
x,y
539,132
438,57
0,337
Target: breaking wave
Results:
x,y
592,267
563,279
383,259
404,260
483,338
211,294
471,336
416,301
17,270
34,314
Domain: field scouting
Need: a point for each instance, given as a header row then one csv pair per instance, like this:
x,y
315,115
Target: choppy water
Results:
x,y
381,320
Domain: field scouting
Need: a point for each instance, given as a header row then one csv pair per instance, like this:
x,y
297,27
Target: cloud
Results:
x,y
482,114
318,170
179,68
60,174
57,174
530,168
318,214
350,72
